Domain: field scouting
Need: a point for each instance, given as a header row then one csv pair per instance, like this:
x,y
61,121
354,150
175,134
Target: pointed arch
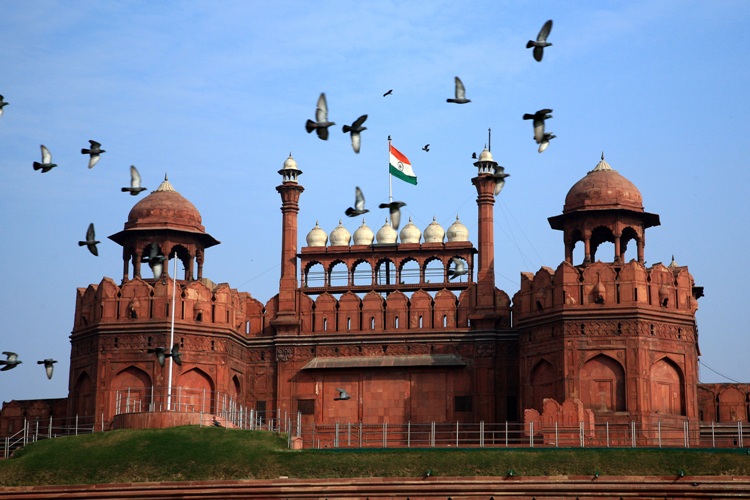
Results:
x,y
134,387
667,388
602,382
195,392
83,395
543,381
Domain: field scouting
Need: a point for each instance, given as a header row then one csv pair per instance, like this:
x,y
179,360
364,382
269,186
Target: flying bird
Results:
x,y
49,366
155,260
160,354
90,242
175,354
500,176
354,130
387,93
459,268
46,164
473,156
541,41
135,182
11,361
321,123
538,122
460,93
544,143
343,395
426,148
94,151
394,208
359,204
3,103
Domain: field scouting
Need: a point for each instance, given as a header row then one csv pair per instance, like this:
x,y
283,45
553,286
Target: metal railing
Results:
x,y
220,408
34,430
516,435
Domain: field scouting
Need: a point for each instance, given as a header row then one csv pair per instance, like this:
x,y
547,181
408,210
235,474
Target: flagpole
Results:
x,y
390,177
171,334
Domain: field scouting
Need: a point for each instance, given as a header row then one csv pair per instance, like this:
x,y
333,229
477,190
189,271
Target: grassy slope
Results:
x,y
208,453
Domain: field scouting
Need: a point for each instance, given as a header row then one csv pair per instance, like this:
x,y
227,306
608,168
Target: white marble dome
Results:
x,y
363,235
340,236
386,234
316,237
485,156
434,233
457,231
410,233
290,163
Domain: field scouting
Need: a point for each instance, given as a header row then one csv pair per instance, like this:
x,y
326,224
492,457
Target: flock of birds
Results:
x,y
154,258
320,125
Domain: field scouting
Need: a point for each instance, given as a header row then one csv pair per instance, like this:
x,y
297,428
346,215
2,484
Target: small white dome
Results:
x,y
434,233
363,235
316,237
386,234
410,233
485,156
340,236
457,231
290,163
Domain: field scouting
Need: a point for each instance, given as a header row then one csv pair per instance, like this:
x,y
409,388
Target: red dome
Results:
x,y
603,189
165,208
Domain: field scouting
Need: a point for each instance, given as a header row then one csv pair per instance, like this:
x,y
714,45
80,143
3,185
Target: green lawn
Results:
x,y
208,453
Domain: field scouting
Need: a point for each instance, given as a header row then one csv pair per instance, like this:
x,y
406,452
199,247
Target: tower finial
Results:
x,y
489,139
602,155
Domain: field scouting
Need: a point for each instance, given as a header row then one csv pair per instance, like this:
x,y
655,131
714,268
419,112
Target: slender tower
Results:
x,y
489,181
286,321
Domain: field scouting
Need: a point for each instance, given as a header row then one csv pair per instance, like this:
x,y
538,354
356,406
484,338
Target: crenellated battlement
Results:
x,y
666,289
139,304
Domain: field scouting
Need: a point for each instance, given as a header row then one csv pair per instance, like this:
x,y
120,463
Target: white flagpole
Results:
x,y
390,177
171,335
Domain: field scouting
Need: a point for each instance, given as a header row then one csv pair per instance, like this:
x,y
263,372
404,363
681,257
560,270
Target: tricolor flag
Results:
x,y
400,166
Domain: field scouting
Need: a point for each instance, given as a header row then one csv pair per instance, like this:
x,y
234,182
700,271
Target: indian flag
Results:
x,y
400,166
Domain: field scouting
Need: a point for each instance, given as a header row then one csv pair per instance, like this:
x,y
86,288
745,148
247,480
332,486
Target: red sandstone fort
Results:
x,y
379,317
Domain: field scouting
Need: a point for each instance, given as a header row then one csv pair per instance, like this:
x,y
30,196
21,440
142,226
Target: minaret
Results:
x,y
286,321
489,182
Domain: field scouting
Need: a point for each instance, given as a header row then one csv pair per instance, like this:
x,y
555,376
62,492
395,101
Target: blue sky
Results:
x,y
216,94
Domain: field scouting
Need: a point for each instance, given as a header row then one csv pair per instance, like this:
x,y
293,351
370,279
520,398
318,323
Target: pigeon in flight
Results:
x,y
161,354
343,395
544,143
387,93
49,366
321,123
500,176
155,260
3,103
541,41
359,204
394,208
90,242
458,270
135,182
473,156
46,164
426,148
94,151
11,361
460,93
538,122
175,354
354,130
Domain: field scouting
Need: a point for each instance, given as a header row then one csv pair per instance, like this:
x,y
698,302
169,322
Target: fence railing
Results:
x,y
37,429
202,401
514,434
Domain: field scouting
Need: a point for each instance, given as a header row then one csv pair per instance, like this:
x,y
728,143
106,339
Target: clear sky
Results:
x,y
216,94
